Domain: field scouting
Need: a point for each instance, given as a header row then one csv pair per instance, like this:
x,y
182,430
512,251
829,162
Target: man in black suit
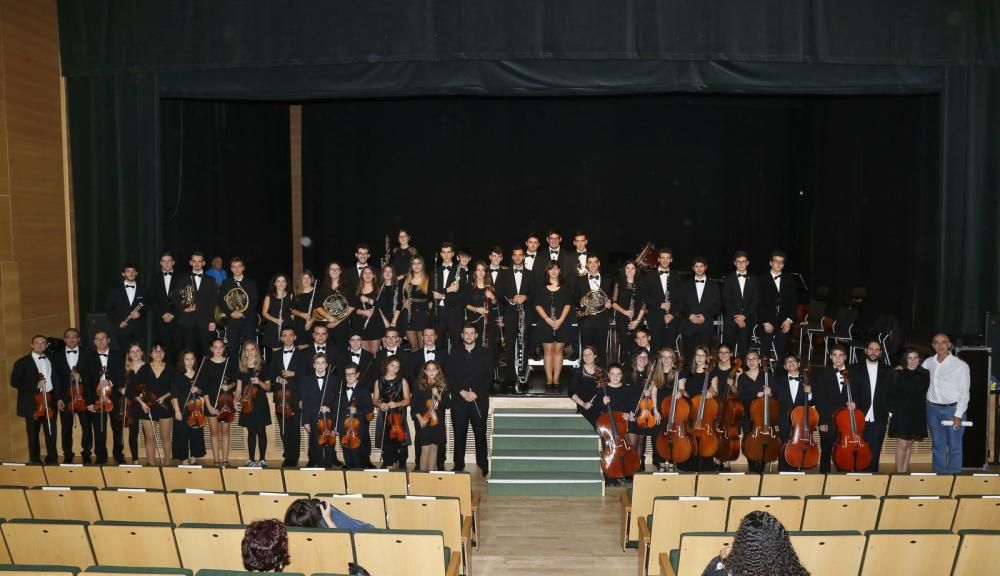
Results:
x,y
102,366
445,286
656,290
368,371
514,286
319,386
125,308
32,373
240,325
779,299
872,379
320,335
194,295
594,328
532,257
831,395
283,370
581,253
391,346
307,362
166,324
790,390
352,275
412,367
698,304
740,297
65,361
470,375
553,252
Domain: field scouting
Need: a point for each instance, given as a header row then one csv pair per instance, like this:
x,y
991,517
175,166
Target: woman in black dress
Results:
x,y
665,373
218,375
367,319
430,396
618,397
189,441
553,303
335,285
639,381
699,380
583,389
414,302
157,380
630,311
722,368
749,387
277,310
131,387
480,301
302,307
392,395
253,387
388,300
908,406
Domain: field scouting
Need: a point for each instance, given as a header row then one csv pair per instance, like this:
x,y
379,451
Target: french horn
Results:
x,y
592,303
336,305
236,300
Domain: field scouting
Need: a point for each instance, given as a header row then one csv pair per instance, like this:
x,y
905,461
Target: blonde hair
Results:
x,y
244,361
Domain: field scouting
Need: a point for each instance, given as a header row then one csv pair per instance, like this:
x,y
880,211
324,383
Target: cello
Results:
x,y
850,453
618,458
674,443
762,444
705,410
800,451
731,422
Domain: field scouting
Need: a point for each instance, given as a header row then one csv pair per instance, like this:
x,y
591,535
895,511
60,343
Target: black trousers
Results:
x,y
66,421
777,339
697,335
594,332
661,335
321,456
196,338
100,423
187,442
237,332
735,337
170,334
873,435
33,427
462,414
291,440
449,327
826,440
354,457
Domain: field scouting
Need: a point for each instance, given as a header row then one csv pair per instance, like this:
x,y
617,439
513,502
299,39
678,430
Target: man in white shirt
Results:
x,y
947,401
64,362
32,373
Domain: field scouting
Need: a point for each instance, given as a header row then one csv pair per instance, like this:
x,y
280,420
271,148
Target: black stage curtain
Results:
x,y
226,171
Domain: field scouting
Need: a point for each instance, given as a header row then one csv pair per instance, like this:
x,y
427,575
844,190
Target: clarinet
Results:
x,y
666,298
631,308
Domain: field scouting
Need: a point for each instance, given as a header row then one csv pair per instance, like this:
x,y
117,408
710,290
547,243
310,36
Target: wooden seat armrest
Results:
x,y
665,568
454,565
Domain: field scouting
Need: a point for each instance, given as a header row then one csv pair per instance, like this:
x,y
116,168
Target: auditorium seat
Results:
x,y
60,542
977,513
433,513
133,505
978,552
368,508
318,549
216,546
195,506
829,553
265,505
138,571
792,484
909,552
916,513
856,484
4,554
682,514
198,477
135,544
39,570
456,484
13,502
74,475
978,483
695,551
314,480
728,484
133,476
637,502
825,513
63,503
249,479
23,475
920,484
409,552
213,572
376,481
787,509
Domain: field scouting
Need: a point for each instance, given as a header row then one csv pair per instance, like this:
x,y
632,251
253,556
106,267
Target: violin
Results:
x,y
326,427
674,443
762,444
702,425
195,404
431,414
250,394
619,458
732,418
351,439
225,405
125,406
395,422
104,403
800,451
850,453
44,402
283,399
77,402
645,418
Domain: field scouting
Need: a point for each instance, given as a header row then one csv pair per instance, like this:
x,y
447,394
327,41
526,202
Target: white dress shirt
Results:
x,y
130,292
286,357
72,359
429,355
44,368
518,275
595,283
529,260
872,381
950,381
699,286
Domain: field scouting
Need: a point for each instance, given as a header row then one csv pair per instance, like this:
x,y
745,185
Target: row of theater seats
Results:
x,y
51,570
876,552
637,502
50,547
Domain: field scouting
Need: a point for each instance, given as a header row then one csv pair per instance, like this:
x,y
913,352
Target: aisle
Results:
x,y
533,535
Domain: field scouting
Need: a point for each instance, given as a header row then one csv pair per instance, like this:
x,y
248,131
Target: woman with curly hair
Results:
x,y
760,548
265,546
429,403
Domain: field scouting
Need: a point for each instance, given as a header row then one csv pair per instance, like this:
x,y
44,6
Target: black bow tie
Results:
x,y
390,352
776,277
356,355
738,275
593,277
448,268
518,270
553,252
428,350
168,273
321,348
72,351
794,378
288,351
494,269
197,275
529,255
699,281
100,354
41,357
662,272
130,286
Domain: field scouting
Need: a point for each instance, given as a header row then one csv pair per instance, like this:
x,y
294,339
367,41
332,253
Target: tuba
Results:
x,y
592,303
236,300
336,305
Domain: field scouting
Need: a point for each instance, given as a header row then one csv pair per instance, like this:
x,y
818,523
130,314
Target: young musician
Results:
x,y
402,255
253,386
194,297
388,302
908,406
618,398
413,366
302,307
481,306
65,362
698,303
594,328
464,273
514,287
368,319
156,380
640,381
125,308
641,342
753,384
581,254
320,334
414,302
496,264
430,400
277,310
217,377
873,379
666,380
947,399
319,386
829,391
285,367
367,373
163,312
655,290
391,346
740,298
32,374
353,275
791,389
334,285
354,404
583,388
188,439
553,302
722,369
470,375
447,300
531,257
241,324
553,252
128,414
629,310
102,369
779,299
391,395
694,382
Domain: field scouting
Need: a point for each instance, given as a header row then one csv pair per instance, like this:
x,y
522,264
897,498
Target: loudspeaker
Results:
x,y
975,440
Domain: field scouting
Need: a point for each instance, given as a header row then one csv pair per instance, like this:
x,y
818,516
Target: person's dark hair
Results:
x,y
496,250
70,329
741,254
236,259
272,290
906,352
361,246
777,254
552,264
128,265
761,548
180,359
837,348
699,260
265,546
304,513
665,251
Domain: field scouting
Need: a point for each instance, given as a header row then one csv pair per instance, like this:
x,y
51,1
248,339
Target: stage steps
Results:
x,y
544,452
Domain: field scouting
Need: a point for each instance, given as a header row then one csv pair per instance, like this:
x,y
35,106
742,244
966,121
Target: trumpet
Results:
x,y
133,311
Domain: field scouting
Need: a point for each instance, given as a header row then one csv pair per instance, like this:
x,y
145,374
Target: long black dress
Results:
x,y
429,434
393,451
472,296
277,308
261,414
553,302
370,328
908,404
584,386
626,297
301,303
418,316
187,441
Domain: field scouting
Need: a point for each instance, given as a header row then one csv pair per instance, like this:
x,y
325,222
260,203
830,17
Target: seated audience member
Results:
x,y
315,513
760,548
265,546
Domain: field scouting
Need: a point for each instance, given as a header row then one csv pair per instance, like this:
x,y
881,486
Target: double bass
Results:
x,y
731,422
619,459
801,451
762,443
704,412
850,453
674,443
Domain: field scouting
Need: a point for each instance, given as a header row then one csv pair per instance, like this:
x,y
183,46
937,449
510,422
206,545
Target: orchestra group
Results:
x,y
412,338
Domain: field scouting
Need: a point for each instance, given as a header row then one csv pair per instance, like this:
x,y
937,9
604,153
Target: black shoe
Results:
x,y
485,471
119,461
100,462
310,465
86,458
52,460
369,464
68,459
458,468
287,464
337,463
